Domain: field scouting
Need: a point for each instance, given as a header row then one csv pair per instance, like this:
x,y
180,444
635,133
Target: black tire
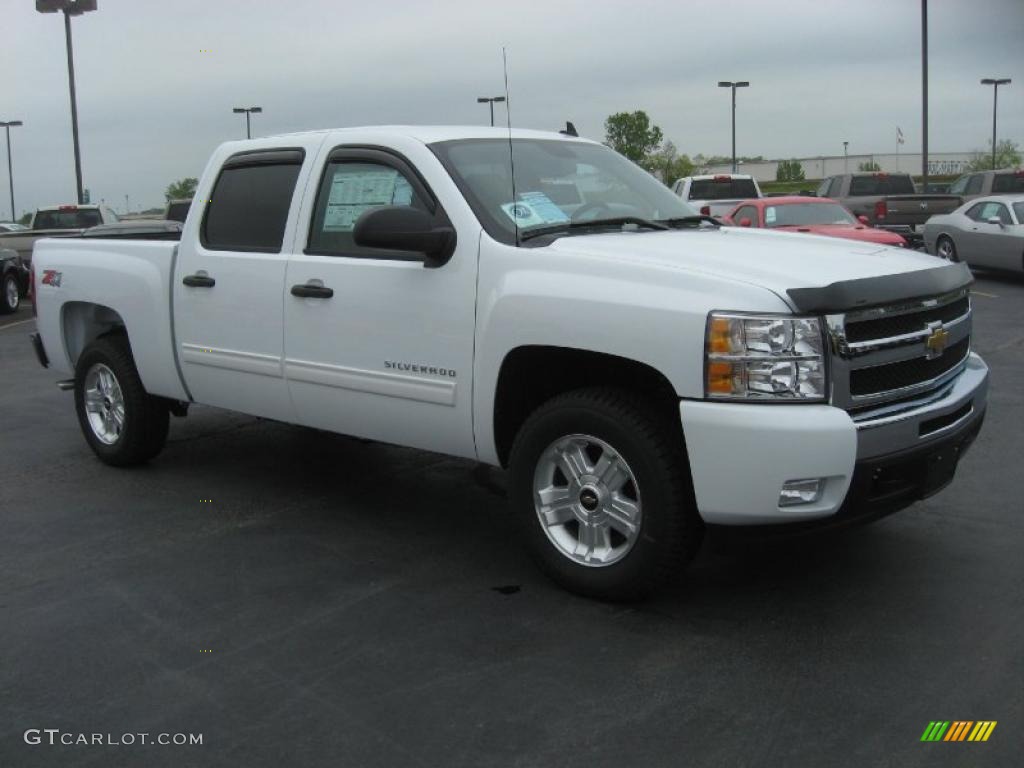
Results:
x,y
670,529
10,294
945,241
146,418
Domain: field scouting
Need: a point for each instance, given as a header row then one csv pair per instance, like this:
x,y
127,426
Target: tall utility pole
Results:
x,y
10,172
734,86
995,83
248,111
70,8
846,162
491,100
924,94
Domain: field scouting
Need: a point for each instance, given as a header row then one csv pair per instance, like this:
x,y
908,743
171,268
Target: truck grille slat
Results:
x,y
886,327
883,378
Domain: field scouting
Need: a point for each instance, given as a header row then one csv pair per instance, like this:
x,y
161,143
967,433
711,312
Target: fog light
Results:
x,y
801,492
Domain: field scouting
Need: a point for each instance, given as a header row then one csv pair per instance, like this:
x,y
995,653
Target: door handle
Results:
x,y
199,280
312,291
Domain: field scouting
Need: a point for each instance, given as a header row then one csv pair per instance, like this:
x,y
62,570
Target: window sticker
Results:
x,y
353,193
523,215
769,215
544,207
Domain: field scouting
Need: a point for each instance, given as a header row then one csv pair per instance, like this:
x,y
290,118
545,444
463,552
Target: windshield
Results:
x,y
804,214
722,189
556,182
76,219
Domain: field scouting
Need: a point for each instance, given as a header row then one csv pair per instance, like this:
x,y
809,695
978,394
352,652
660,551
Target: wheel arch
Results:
x,y
82,322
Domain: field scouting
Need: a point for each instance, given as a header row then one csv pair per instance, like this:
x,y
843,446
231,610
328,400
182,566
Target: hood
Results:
x,y
849,231
777,261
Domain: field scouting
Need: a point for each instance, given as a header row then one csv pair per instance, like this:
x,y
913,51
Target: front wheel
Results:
x,y
10,298
123,424
946,249
602,492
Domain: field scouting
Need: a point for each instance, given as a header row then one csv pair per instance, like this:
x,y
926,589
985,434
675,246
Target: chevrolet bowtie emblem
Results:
x,y
936,342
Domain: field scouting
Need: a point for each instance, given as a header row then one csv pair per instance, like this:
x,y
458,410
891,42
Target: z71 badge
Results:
x,y
51,277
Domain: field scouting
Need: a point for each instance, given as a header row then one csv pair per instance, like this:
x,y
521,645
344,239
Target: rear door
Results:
x,y
229,283
376,344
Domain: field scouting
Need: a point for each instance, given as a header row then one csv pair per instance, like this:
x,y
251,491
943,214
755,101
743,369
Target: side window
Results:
x,y
959,186
248,207
974,212
746,212
834,187
991,209
349,187
973,185
824,187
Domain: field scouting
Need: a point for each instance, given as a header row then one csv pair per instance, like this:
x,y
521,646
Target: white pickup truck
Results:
x,y
640,371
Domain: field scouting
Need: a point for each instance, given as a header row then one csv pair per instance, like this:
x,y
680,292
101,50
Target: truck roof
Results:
x,y
430,134
68,207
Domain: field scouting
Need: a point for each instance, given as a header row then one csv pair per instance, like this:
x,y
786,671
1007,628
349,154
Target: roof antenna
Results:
x,y
569,130
511,155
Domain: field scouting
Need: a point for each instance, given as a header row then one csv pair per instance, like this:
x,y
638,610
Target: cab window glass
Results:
x,y
834,187
746,212
248,208
992,209
349,189
958,186
973,185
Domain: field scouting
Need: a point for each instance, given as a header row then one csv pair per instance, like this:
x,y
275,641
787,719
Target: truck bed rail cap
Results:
x,y
885,289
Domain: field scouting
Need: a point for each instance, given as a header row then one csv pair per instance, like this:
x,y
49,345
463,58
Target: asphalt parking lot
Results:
x,y
305,599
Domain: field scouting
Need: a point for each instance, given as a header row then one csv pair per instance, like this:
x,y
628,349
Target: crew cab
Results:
x,y
887,201
55,221
718,194
640,371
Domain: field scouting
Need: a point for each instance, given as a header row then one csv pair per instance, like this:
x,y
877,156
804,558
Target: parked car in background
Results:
x,y
888,201
986,232
716,195
816,215
13,281
974,185
55,221
10,226
177,210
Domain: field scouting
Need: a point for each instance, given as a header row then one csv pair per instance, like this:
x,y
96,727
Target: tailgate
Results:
x,y
917,209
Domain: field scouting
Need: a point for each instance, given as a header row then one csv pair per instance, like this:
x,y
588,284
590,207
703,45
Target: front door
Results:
x,y
376,344
994,245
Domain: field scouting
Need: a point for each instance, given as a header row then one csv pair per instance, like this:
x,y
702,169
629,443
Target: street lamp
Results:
x,y
995,83
491,100
248,111
846,164
734,86
10,173
70,8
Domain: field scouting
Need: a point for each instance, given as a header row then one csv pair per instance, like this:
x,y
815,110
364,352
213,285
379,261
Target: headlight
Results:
x,y
773,357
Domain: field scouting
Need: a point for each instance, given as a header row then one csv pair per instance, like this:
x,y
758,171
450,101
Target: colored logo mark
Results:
x,y
958,730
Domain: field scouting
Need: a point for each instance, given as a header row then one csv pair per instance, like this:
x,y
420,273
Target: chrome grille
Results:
x,y
883,355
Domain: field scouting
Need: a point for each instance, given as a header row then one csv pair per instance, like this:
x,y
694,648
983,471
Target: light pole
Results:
x,y
995,83
248,111
70,8
10,173
846,162
734,86
924,94
491,101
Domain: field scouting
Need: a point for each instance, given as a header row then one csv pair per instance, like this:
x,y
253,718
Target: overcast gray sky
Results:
x,y
153,104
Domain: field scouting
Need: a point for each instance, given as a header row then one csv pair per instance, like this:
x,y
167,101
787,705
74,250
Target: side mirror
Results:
x,y
745,222
403,228
864,220
995,220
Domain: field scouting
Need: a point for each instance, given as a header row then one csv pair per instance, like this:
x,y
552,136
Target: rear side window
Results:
x,y
834,187
1008,182
974,184
974,212
248,208
881,185
73,219
722,189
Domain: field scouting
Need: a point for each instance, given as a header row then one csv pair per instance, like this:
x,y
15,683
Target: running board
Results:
x,y
66,385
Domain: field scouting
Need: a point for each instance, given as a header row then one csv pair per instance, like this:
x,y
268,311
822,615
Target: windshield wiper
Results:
x,y
564,228
688,220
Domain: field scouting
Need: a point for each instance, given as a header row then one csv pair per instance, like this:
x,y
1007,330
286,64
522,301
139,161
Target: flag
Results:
x,y
899,135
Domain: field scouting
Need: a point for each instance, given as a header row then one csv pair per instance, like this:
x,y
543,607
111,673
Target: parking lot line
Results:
x,y
20,322
986,295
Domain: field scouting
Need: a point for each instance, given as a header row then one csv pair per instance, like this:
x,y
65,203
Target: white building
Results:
x,y
939,164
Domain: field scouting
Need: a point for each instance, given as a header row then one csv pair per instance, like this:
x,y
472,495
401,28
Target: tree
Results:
x,y
668,164
1007,156
870,165
631,134
183,188
789,170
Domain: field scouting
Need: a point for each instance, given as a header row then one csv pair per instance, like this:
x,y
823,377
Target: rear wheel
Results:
x,y
123,424
10,299
602,492
946,249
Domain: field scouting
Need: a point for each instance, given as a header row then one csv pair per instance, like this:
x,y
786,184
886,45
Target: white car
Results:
x,y
985,232
718,194
641,372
